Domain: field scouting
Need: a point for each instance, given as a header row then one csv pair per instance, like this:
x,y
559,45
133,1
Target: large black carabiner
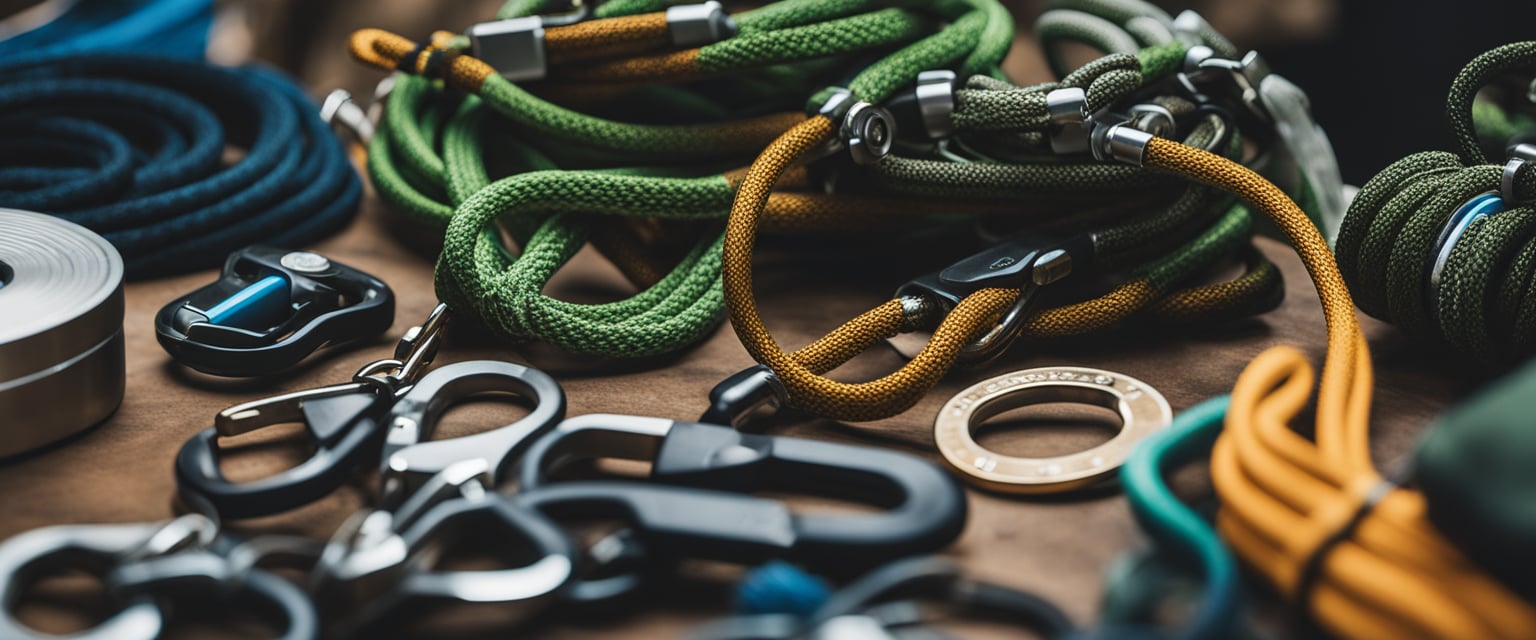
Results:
x,y
925,507
269,310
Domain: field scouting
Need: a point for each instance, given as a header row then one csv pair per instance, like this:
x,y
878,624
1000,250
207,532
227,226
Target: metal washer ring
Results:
x,y
1142,410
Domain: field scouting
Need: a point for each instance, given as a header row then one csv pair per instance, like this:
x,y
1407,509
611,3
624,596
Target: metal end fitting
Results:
x,y
1153,119
1519,156
1246,75
1068,109
339,109
866,130
693,25
514,47
1189,28
936,102
1122,143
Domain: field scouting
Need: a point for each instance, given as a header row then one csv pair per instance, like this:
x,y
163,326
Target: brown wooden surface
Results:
x,y
121,471
1059,547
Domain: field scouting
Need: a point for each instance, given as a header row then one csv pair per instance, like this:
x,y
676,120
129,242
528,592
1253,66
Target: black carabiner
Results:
x,y
925,507
347,423
685,522
270,309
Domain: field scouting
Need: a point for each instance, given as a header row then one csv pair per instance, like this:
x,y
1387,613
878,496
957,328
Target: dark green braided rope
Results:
x,y
1485,304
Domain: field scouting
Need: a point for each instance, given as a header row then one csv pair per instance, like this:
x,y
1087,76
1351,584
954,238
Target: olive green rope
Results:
x,y
1485,302
873,30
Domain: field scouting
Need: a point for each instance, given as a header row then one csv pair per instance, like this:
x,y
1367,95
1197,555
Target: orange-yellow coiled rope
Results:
x,y
1284,497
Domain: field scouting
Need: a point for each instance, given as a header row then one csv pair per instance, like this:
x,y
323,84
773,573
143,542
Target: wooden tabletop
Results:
x,y
1058,547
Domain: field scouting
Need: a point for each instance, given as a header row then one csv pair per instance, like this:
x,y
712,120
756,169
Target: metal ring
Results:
x,y
1484,204
1142,410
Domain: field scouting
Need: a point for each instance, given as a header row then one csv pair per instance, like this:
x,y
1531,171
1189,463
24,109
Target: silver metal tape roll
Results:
x,y
61,330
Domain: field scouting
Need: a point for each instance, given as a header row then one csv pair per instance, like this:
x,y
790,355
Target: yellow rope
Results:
x,y
1284,496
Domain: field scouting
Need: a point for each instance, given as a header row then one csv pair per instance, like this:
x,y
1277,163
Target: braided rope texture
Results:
x,y
1284,497
807,389
148,171
1485,303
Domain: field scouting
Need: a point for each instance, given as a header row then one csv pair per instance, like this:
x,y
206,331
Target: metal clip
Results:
x,y
923,507
381,93
514,47
339,109
413,354
344,421
1021,263
693,25
1244,76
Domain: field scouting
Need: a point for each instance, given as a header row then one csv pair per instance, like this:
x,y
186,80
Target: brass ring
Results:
x,y
1142,410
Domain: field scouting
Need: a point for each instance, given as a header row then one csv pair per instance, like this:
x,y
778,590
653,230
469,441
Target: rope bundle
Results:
x,y
133,147
1481,297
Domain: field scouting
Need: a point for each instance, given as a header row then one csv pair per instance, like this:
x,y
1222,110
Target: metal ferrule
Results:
x,y
515,47
1121,143
693,25
936,102
1068,109
1520,156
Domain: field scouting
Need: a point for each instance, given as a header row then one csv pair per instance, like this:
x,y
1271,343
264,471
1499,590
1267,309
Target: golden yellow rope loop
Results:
x,y
385,50
808,390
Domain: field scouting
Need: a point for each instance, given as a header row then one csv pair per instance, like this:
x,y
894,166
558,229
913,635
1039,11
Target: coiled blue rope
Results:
x,y
168,27
135,148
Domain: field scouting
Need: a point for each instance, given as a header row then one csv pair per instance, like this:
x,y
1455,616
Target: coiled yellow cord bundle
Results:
x,y
1285,498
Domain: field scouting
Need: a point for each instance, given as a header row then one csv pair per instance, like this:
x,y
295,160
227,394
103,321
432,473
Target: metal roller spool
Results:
x,y
61,330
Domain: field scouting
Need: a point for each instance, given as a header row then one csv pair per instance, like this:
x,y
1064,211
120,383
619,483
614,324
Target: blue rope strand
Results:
x,y
169,27
133,147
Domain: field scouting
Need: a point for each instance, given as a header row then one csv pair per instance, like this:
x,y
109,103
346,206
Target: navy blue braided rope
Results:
x,y
168,27
137,149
